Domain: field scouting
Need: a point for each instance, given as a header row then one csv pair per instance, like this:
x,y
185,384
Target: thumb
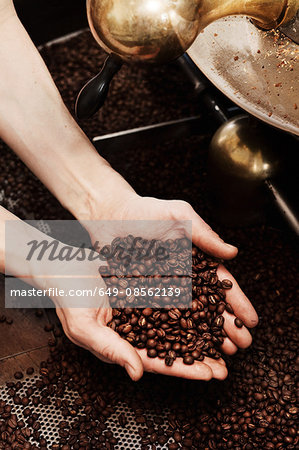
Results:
x,y
109,345
207,240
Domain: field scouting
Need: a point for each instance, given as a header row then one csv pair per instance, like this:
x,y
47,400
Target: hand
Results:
x,y
87,327
134,209
84,318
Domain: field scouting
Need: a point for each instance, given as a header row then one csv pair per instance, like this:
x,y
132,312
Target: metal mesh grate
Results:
x,y
50,416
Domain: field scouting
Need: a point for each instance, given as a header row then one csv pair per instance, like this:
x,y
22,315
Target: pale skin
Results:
x,y
38,127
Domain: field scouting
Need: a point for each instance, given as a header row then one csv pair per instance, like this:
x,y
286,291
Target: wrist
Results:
x,y
100,194
7,11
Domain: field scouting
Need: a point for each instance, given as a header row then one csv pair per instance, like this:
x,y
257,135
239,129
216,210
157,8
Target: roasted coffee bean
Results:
x,y
162,440
219,321
151,343
229,308
173,446
18,375
151,333
122,420
226,284
25,401
238,323
176,347
169,361
27,412
212,299
221,308
12,422
152,353
189,360
125,328
147,312
175,314
184,349
57,332
177,436
195,354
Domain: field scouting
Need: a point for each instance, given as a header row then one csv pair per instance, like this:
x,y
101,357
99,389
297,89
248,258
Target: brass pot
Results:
x,y
162,30
159,31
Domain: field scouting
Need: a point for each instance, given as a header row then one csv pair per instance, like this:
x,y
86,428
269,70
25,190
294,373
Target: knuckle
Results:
x,y
108,353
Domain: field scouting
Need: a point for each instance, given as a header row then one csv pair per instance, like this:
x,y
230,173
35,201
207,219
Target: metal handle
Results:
x,y
201,86
283,207
93,95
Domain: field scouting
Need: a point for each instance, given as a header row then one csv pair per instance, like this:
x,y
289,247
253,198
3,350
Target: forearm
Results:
x,y
37,126
20,253
13,256
4,216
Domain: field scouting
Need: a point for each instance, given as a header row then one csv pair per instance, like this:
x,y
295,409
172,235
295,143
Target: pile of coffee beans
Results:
x,y
175,330
255,407
145,272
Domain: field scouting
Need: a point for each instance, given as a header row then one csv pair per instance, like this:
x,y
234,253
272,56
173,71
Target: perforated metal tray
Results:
x,y
50,416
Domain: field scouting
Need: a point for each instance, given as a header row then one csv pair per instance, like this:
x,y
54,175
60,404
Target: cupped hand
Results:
x,y
84,312
84,320
169,220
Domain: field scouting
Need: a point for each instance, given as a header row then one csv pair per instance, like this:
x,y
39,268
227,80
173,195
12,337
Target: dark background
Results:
x,y
46,20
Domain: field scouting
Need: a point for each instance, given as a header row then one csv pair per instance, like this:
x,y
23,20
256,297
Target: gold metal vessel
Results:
x,y
161,30
243,154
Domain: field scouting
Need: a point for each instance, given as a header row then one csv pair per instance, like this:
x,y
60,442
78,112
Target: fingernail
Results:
x,y
233,247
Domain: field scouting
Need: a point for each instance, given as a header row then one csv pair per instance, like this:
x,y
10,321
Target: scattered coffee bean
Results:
x,y
122,420
18,375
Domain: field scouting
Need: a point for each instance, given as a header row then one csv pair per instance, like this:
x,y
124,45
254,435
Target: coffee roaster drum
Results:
x,y
257,70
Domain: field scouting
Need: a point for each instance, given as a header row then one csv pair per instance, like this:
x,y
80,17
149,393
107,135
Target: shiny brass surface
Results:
x,y
243,155
243,148
161,30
